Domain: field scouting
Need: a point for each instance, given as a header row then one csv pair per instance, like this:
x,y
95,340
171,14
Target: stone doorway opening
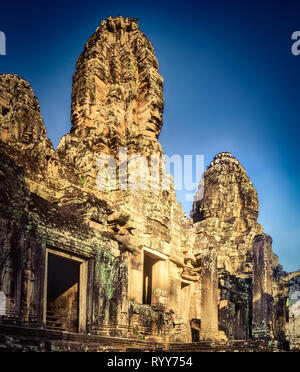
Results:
x,y
155,278
65,292
62,293
240,326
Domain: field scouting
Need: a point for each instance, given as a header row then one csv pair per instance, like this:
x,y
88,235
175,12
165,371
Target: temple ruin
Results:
x,y
88,269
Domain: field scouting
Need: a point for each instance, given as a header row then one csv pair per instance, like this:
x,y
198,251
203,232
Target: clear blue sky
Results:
x,y
231,84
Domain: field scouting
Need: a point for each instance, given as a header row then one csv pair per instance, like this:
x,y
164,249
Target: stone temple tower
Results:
x,y
122,268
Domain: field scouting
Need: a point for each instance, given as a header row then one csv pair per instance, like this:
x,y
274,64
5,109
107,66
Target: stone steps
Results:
x,y
15,338
55,321
231,346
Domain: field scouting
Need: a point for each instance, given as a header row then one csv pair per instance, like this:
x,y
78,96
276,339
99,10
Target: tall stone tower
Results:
x,y
228,213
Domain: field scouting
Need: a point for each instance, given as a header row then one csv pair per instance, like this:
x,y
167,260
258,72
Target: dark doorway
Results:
x,y
62,293
239,331
195,329
147,285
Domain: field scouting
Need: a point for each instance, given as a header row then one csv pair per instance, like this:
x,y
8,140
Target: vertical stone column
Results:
x,y
262,299
209,298
293,302
160,283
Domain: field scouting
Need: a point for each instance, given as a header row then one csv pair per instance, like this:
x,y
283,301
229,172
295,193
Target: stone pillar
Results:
x,y
160,283
209,298
262,299
293,302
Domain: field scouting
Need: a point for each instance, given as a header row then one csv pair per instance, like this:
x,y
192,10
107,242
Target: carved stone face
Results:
x,y
128,97
20,118
153,127
27,137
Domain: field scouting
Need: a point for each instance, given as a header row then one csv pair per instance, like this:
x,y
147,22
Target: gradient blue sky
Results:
x,y
231,83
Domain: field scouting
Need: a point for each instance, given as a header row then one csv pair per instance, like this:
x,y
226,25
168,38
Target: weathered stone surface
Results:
x,y
117,91
228,213
225,221
20,119
144,271
262,287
